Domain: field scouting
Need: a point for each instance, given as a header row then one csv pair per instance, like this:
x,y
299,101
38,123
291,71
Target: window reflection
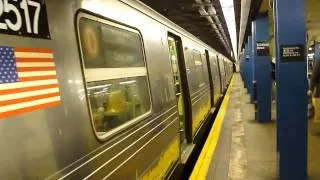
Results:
x,y
115,102
199,69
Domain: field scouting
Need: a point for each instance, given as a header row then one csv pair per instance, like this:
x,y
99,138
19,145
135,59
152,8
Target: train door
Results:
x,y
221,72
217,79
226,69
211,81
177,62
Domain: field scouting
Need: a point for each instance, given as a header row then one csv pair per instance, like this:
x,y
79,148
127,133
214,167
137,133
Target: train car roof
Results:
x,y
143,8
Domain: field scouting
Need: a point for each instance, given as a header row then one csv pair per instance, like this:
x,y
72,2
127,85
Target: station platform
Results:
x,y
238,147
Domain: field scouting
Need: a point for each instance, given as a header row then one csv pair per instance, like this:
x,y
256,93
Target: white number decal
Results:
x,y
25,8
6,7
2,25
9,7
36,15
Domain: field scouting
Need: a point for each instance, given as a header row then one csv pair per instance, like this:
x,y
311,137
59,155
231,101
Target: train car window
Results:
x,y
106,46
115,73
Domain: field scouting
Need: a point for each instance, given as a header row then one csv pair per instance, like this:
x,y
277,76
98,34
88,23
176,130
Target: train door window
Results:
x,y
214,73
205,69
174,57
221,73
199,70
115,74
190,70
225,66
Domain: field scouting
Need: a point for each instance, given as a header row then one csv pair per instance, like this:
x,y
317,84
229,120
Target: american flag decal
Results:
x,y
28,80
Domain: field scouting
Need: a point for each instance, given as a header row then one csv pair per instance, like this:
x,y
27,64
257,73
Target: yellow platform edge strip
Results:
x,y
202,165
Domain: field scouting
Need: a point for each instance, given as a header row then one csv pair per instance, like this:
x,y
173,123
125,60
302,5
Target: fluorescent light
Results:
x,y
228,12
127,82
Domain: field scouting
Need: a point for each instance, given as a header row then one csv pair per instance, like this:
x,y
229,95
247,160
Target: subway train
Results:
x,y
101,89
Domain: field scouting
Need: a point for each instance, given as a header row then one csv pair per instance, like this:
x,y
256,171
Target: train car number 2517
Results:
x,y
24,18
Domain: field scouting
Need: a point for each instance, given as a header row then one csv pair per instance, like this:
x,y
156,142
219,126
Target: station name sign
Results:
x,y
262,48
290,53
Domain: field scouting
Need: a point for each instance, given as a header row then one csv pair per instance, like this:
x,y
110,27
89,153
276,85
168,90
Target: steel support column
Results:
x,y
250,68
316,51
253,59
262,72
246,67
291,69
241,67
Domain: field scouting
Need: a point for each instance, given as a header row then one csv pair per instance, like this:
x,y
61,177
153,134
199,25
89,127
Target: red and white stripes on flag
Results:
x,y
35,87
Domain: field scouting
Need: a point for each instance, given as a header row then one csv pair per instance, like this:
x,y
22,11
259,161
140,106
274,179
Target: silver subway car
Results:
x,y
101,89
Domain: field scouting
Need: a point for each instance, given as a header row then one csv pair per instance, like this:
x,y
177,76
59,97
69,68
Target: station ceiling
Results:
x,y
186,14
312,15
253,8
237,10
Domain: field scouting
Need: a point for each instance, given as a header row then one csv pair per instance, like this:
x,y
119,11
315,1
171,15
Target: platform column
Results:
x,y
316,52
262,68
242,67
253,58
246,66
250,67
291,77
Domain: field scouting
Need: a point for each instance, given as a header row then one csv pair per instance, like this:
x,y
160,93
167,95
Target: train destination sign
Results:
x,y
262,48
292,53
24,18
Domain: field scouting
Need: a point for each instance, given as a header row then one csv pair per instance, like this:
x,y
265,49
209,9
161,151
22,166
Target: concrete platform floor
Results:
x,y
247,149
